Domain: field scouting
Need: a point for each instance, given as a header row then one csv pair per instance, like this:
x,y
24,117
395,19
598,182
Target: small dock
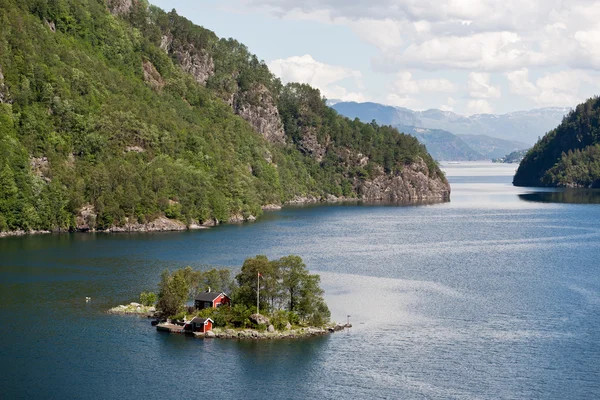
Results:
x,y
171,328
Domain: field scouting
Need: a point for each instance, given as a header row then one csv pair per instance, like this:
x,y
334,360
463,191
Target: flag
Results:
x,y
259,275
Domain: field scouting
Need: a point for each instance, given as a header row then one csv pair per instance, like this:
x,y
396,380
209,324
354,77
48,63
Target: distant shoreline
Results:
x,y
164,224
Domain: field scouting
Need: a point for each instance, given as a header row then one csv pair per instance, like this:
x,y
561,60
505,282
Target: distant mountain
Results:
x,y
385,115
492,147
568,156
443,145
522,126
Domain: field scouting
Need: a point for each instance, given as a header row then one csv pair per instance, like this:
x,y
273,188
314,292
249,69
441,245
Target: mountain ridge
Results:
x,y
117,114
523,126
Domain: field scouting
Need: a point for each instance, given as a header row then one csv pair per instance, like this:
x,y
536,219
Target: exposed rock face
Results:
x,y
309,144
4,95
40,167
209,334
119,7
86,218
236,219
271,207
165,43
259,319
51,25
196,62
159,225
412,184
258,108
133,308
151,76
135,149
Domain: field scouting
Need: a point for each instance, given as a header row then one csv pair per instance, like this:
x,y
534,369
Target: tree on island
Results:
x,y
288,292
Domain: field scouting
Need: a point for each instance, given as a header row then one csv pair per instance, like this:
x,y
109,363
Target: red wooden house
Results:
x,y
200,324
211,300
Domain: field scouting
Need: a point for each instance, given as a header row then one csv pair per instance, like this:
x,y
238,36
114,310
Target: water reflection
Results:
x,y
569,196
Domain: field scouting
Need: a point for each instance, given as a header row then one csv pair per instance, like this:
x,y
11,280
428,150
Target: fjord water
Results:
x,y
491,296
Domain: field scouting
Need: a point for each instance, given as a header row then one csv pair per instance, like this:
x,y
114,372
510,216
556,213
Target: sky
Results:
x,y
465,56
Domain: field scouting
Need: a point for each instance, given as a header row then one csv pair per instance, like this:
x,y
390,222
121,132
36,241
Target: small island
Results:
x,y
267,299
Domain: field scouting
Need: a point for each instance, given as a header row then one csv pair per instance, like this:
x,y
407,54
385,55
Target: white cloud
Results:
x,y
479,107
559,89
306,69
449,106
486,39
490,51
405,84
520,84
402,101
480,87
385,34
484,35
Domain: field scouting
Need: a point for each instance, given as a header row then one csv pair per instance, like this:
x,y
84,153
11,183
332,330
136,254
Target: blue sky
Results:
x,y
466,56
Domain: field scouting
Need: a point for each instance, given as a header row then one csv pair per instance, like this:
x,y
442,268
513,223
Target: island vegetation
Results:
x,y
115,113
568,156
290,297
514,157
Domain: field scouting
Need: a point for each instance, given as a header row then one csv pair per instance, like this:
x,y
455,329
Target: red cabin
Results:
x,y
211,300
201,324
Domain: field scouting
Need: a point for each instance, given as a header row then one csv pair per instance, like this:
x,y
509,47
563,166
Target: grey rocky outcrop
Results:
x,y
310,145
258,107
271,207
196,62
119,7
40,166
165,43
161,224
259,319
86,218
414,183
151,76
4,94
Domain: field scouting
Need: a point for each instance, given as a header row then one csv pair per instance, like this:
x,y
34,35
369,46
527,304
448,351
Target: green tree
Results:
x,y
173,293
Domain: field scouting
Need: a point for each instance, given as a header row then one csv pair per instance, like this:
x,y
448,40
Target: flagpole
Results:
x,y
257,293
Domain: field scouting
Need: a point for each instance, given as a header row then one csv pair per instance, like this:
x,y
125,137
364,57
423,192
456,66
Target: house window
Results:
x,y
207,304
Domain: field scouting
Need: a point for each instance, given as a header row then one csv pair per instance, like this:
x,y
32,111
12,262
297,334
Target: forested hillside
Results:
x,y
568,156
114,113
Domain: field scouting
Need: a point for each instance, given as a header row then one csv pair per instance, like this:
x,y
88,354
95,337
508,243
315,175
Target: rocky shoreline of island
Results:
x,y
266,331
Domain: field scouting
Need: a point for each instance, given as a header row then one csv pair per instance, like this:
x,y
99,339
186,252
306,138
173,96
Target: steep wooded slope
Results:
x,y
116,113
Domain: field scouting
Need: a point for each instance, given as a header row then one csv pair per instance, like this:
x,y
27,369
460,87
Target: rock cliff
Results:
x,y
196,62
4,95
258,108
413,184
119,7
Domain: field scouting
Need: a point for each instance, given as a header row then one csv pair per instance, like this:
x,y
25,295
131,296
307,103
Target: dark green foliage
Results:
x,y
567,155
135,151
148,298
173,291
285,284
579,168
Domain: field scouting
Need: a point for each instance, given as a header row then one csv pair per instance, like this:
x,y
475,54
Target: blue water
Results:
x,y
490,296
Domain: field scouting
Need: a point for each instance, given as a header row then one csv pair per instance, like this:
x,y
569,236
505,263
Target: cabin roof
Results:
x,y
200,321
209,296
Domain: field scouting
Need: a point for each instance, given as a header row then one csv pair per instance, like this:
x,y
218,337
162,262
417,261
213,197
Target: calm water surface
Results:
x,y
491,296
